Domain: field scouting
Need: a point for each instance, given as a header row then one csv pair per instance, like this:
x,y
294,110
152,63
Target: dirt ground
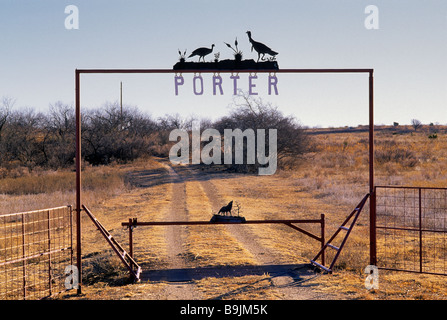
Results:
x,y
235,262
288,280
248,269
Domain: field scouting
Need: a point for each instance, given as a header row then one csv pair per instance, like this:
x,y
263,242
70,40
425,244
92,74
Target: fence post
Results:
x,y
373,228
23,254
70,208
49,251
420,230
130,240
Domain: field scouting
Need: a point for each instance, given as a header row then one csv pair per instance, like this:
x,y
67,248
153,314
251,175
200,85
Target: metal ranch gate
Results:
x,y
290,223
35,249
411,229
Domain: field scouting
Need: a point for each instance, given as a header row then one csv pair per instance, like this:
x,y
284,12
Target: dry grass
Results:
x,y
392,286
338,174
331,180
57,188
145,204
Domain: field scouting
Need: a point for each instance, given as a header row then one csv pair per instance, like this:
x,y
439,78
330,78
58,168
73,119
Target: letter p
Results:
x,y
179,81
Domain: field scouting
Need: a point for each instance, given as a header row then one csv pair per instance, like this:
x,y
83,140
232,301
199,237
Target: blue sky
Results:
x,y
38,55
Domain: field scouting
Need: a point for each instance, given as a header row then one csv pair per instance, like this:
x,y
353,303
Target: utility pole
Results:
x,y
121,98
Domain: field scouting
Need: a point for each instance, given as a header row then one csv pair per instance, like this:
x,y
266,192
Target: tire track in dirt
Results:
x,y
241,233
288,284
175,236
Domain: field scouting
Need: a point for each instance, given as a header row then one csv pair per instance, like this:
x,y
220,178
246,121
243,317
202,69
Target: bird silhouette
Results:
x,y
202,52
260,48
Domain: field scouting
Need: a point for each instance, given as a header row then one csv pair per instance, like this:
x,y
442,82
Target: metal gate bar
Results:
x,y
126,258
132,223
354,216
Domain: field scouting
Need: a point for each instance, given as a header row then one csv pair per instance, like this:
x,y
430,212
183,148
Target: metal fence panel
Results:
x,y
411,229
35,248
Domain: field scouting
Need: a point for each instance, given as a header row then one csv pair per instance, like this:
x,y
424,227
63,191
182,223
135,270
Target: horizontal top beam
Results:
x,y
79,71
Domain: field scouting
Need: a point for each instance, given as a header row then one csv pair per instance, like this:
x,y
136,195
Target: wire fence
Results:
x,y
412,229
35,249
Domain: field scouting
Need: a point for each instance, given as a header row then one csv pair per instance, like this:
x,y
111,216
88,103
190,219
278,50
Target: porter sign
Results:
x,y
217,81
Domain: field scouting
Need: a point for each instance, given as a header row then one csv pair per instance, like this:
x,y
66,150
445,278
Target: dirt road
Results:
x,y
289,281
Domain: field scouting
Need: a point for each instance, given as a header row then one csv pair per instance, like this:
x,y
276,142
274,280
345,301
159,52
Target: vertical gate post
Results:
x,y
372,190
78,179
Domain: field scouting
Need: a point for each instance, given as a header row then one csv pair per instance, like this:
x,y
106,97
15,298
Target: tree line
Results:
x,y
110,134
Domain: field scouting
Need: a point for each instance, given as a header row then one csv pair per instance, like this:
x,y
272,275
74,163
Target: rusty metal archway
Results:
x,y
78,72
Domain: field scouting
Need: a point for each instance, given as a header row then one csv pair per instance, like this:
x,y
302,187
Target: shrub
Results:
x,y
390,151
433,136
111,135
249,113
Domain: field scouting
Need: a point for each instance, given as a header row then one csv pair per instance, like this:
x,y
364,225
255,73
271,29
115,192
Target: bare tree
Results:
x,y
112,135
22,138
59,139
416,124
5,110
292,140
171,122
